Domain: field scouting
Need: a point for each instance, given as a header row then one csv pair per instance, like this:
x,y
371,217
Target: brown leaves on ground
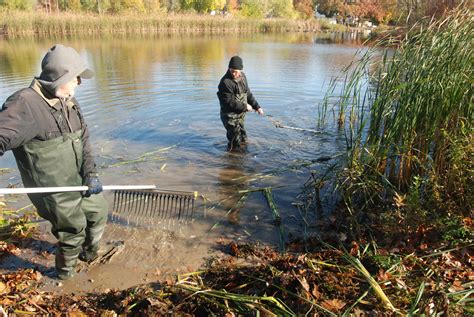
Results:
x,y
318,280
333,305
8,248
17,290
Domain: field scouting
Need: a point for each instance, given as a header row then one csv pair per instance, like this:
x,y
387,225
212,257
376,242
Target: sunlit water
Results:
x,y
154,99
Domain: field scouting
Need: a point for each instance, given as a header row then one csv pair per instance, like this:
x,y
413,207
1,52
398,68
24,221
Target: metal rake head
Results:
x,y
155,204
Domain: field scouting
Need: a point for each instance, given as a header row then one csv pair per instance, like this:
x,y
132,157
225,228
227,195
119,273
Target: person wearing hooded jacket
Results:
x,y
44,127
235,99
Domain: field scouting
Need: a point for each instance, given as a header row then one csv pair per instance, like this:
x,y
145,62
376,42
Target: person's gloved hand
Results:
x,y
95,186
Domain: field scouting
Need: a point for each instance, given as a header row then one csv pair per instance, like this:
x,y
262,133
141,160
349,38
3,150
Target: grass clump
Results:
x,y
19,24
408,120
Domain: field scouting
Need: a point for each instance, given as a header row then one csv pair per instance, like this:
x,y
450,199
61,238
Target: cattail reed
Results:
x,y
408,112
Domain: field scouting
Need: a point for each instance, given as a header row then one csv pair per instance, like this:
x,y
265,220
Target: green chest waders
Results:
x,y
234,124
77,222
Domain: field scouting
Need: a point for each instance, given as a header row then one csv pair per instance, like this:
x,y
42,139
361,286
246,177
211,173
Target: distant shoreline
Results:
x,y
27,24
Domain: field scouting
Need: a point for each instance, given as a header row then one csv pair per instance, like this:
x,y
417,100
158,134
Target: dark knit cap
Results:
x,y
236,63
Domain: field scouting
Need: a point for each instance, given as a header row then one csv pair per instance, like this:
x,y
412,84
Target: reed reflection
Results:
x,y
233,177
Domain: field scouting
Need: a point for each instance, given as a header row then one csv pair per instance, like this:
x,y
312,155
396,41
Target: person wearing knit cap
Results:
x,y
44,127
235,99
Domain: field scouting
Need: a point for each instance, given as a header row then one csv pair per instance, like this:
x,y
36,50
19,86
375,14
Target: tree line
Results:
x,y
388,11
377,11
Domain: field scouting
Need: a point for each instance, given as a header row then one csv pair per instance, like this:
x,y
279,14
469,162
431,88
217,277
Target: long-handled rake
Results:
x,y
133,200
163,204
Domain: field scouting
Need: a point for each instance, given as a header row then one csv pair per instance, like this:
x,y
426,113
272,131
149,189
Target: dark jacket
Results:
x,y
33,115
228,89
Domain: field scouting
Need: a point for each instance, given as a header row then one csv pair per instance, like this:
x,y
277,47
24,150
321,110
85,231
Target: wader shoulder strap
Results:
x,y
60,120
79,114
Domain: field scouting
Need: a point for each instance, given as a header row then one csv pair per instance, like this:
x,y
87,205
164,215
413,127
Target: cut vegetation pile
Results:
x,y
365,279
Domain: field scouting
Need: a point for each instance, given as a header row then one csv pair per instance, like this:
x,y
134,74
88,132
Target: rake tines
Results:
x,y
155,204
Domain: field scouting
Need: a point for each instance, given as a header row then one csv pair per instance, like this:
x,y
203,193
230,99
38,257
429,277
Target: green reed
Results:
x,y
408,112
37,23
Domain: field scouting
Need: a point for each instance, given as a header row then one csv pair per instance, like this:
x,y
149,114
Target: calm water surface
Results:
x,y
154,99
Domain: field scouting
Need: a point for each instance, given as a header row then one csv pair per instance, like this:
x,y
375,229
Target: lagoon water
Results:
x,y
153,116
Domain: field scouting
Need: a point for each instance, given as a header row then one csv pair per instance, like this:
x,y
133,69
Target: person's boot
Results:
x,y
89,254
64,274
65,265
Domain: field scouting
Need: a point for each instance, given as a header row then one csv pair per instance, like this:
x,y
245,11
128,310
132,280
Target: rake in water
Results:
x,y
155,203
133,200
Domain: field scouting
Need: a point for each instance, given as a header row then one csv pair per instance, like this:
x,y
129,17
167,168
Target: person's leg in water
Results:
x,y
243,132
232,124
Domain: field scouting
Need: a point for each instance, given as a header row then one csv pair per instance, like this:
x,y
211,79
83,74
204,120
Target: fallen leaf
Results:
x,y
304,283
399,200
354,248
3,288
316,293
29,308
456,287
383,276
108,313
234,249
333,304
401,284
467,221
37,276
421,229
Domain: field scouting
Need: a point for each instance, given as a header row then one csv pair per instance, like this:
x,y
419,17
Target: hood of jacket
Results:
x,y
60,65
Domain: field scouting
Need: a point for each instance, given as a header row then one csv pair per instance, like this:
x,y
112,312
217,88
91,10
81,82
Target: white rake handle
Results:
x,y
38,190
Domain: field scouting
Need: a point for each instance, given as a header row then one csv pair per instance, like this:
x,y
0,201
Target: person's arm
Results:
x,y
17,124
250,98
89,173
227,97
88,163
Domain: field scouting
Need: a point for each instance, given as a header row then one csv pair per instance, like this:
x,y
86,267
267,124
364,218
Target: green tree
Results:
x,y
171,5
186,5
281,9
202,5
17,4
127,5
152,5
70,5
252,8
218,4
87,5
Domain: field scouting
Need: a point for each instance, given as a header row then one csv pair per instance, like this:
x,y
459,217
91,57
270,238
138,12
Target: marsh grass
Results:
x,y
408,119
18,24
16,223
